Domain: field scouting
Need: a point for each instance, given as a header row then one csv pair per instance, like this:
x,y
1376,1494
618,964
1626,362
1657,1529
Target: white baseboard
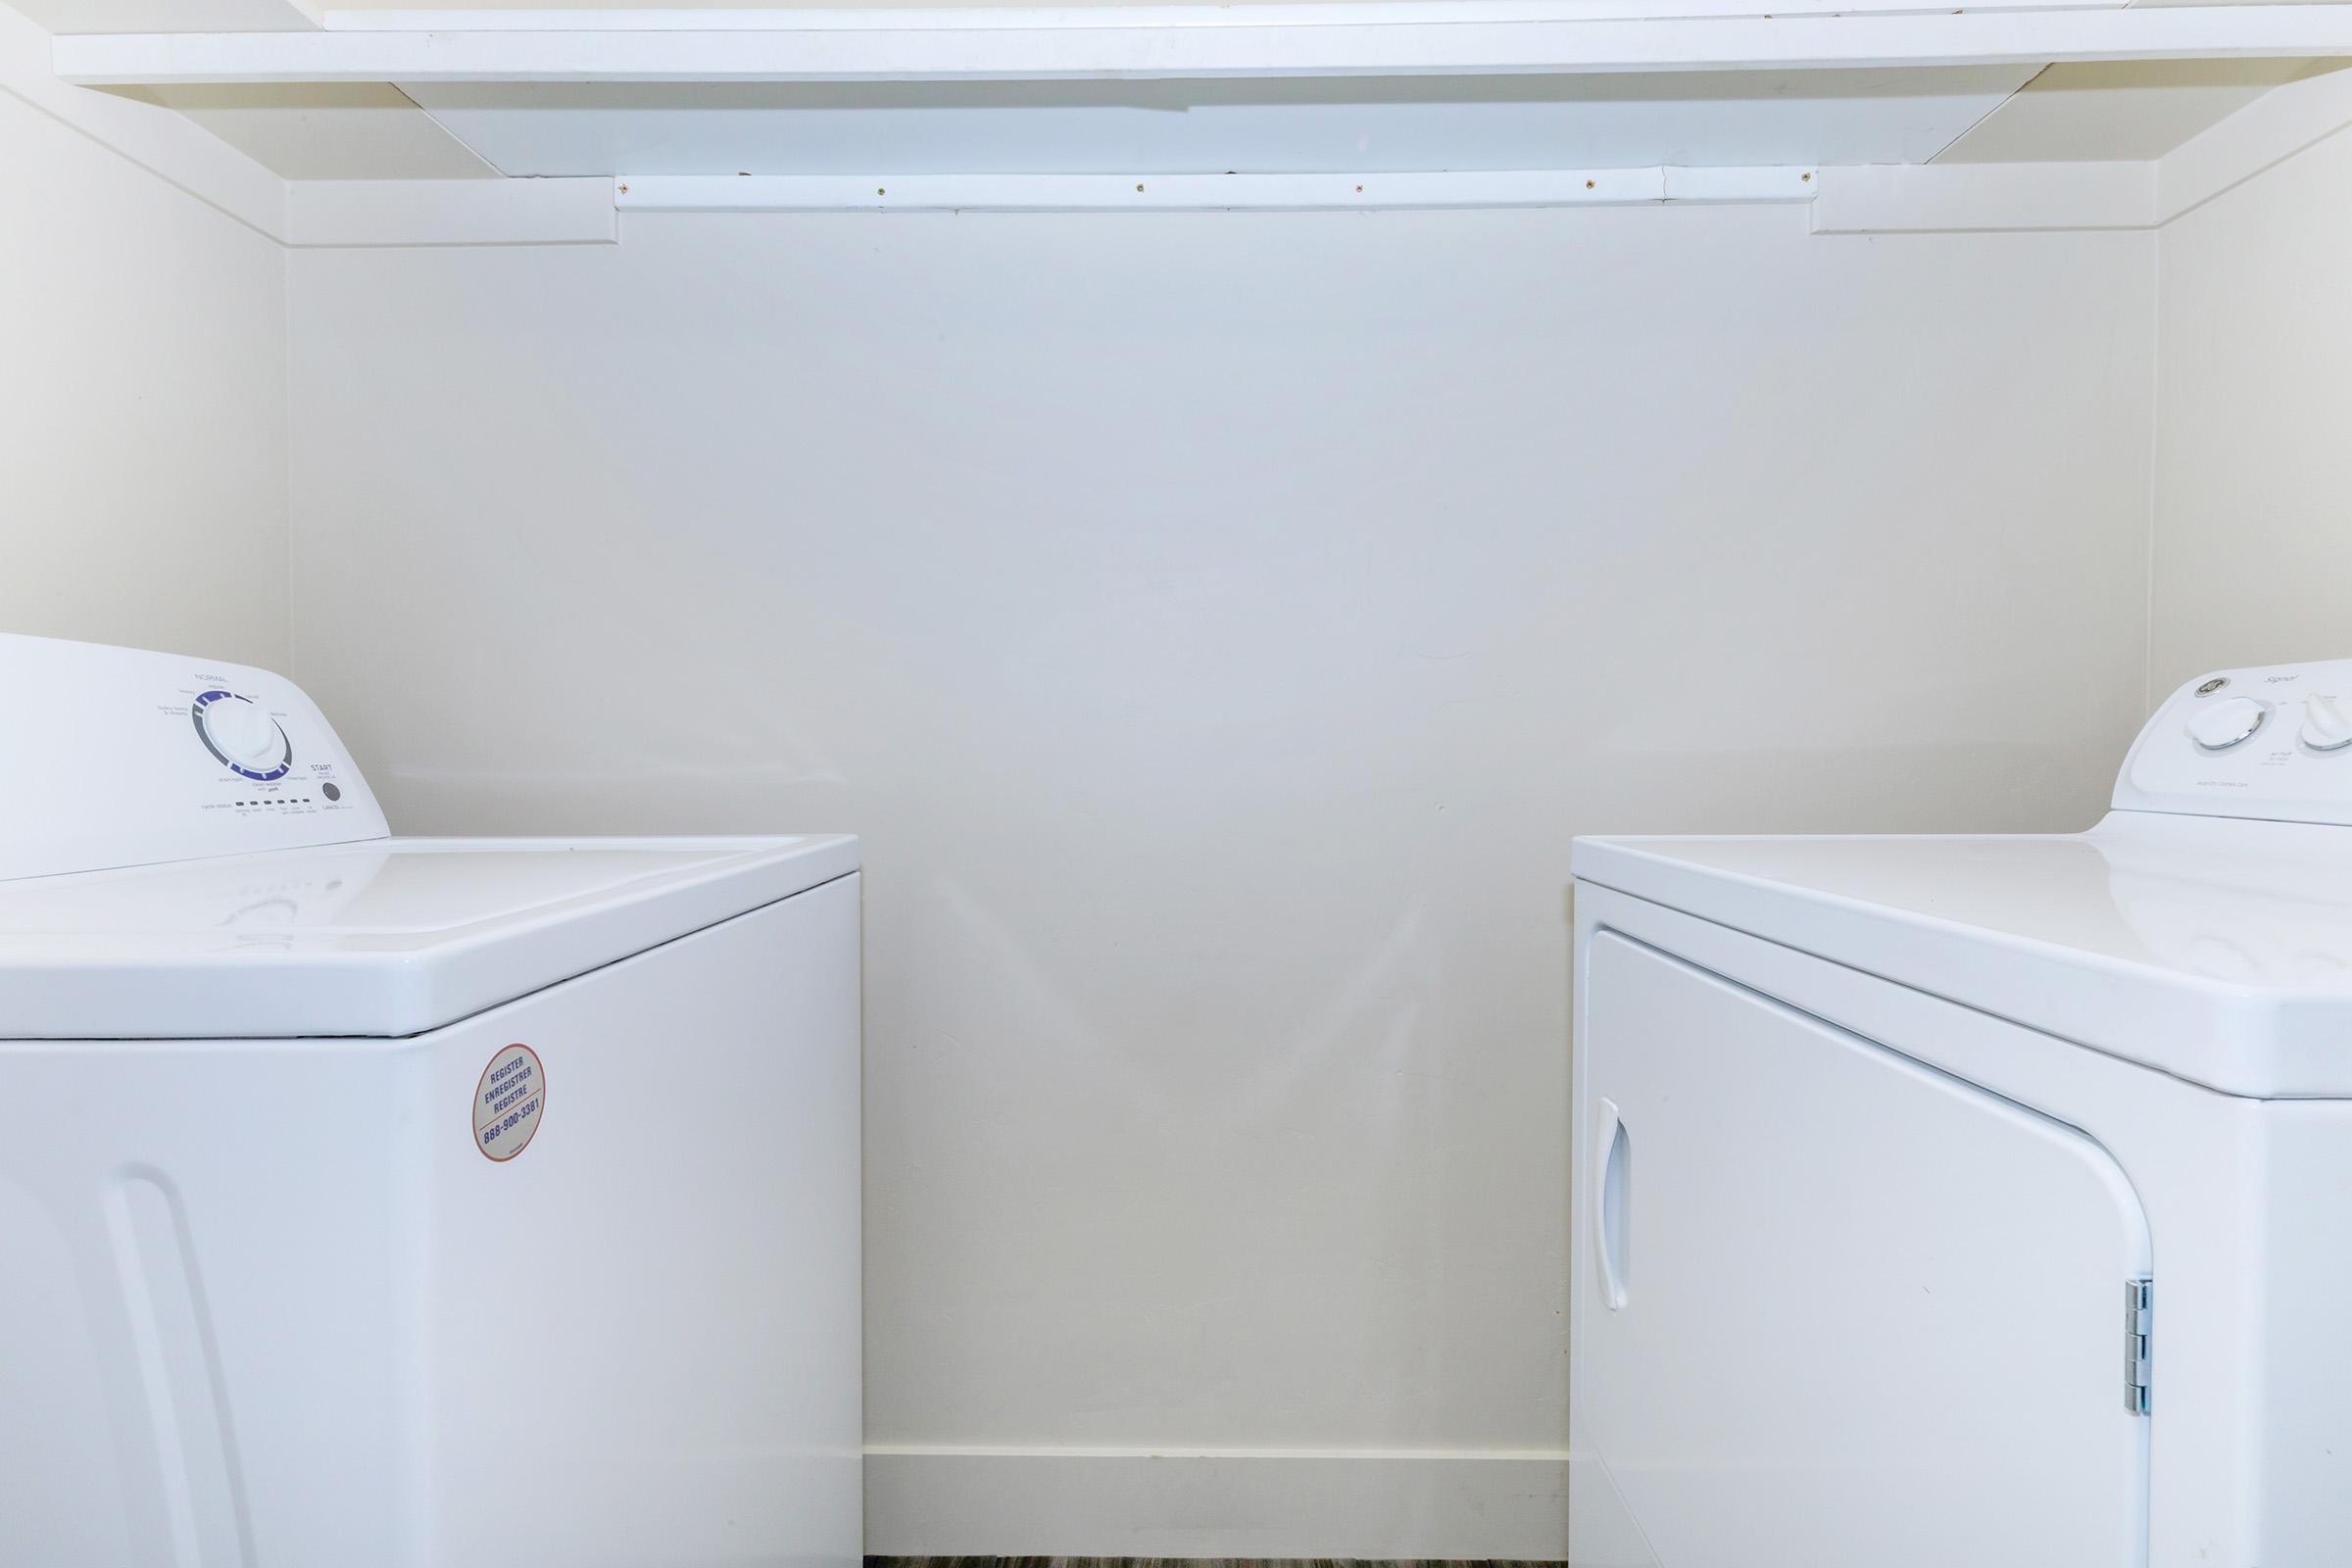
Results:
x,y
1078,1503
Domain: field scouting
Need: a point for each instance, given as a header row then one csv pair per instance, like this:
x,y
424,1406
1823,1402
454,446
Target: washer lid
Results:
x,y
2216,950
386,938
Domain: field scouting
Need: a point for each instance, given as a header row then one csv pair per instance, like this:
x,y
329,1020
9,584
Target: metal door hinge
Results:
x,y
2139,1311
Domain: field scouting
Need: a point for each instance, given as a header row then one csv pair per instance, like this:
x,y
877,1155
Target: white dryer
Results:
x,y
386,1203
1952,1201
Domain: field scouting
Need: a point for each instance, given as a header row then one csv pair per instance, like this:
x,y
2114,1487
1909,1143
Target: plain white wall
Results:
x,y
2253,541
1218,625
142,403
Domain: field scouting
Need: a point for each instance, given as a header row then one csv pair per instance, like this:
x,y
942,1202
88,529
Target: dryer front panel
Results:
x,y
1838,1308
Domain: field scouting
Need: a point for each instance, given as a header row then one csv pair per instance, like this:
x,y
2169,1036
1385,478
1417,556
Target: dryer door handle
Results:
x,y
1613,1205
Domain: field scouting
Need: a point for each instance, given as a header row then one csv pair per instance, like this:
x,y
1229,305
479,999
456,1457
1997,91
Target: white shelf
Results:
x,y
1425,124
1905,120
1106,14
1201,44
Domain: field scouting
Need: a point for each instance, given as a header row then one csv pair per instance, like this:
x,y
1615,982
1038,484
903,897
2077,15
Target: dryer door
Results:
x,y
1841,1310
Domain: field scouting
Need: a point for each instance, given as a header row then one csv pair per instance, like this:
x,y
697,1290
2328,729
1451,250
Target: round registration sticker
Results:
x,y
507,1102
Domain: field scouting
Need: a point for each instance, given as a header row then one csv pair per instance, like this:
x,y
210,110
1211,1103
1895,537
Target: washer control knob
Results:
x,y
243,732
2225,724
2326,724
240,733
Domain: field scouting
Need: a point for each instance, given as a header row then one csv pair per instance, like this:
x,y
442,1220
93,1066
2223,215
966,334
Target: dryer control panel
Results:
x,y
124,757
2273,743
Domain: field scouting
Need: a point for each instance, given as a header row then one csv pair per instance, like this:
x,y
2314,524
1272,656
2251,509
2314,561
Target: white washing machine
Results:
x,y
1977,1201
386,1202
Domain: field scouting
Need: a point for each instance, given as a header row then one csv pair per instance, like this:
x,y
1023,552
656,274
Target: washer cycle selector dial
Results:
x,y
2327,723
2225,724
245,738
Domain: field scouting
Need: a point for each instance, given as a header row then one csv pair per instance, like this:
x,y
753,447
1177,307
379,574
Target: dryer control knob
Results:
x,y
2225,724
2327,726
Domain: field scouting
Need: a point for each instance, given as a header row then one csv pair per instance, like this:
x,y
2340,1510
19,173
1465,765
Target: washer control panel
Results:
x,y
2273,743
166,758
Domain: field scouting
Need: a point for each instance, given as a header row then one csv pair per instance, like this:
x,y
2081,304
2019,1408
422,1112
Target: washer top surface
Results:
x,y
383,938
214,865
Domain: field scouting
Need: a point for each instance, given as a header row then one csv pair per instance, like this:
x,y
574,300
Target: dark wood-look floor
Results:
x,y
1192,1562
